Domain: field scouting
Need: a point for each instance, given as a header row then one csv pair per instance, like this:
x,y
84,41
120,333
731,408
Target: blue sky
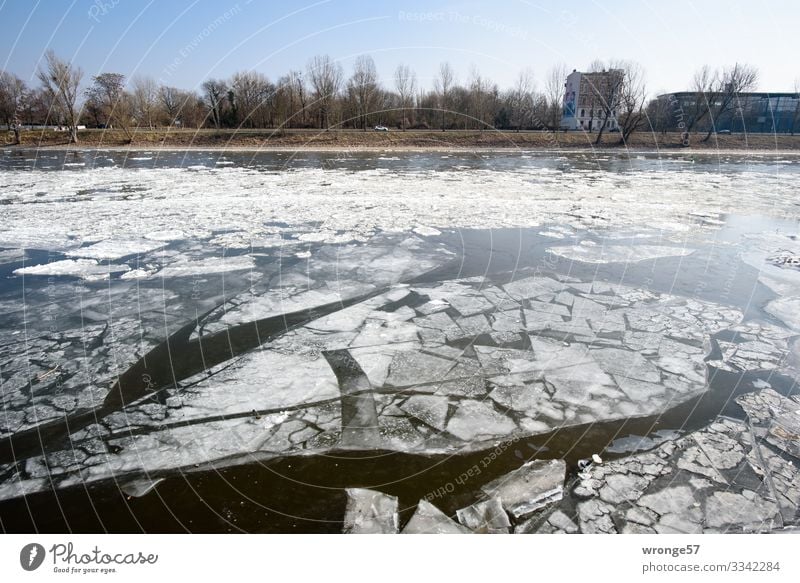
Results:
x,y
183,42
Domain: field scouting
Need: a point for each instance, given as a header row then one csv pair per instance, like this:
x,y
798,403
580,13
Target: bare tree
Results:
x,y
300,91
480,95
13,95
717,95
659,113
107,91
554,95
326,81
144,100
61,80
522,99
363,87
193,112
631,113
405,82
253,95
726,91
214,91
443,85
704,86
796,116
171,100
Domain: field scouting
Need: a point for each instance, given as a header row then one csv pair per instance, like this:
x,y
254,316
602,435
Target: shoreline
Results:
x,y
412,141
403,149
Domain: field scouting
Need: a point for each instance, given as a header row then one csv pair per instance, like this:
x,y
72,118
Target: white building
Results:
x,y
585,96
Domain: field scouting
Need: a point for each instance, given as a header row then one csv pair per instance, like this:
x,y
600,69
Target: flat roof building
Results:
x,y
755,112
586,96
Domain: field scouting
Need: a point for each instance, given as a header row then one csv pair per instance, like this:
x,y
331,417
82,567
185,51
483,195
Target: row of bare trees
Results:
x,y
322,97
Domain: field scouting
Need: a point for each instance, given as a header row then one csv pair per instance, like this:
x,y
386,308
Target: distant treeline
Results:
x,y
323,97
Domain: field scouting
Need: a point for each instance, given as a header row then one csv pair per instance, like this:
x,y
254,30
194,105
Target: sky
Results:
x,y
184,42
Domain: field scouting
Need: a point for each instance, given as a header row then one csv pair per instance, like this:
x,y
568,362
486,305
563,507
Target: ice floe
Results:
x,y
618,253
387,373
356,204
184,268
115,249
87,269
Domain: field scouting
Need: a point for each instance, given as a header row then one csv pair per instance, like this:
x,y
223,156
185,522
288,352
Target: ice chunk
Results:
x,y
530,399
370,512
477,419
87,269
430,520
786,310
532,287
116,249
166,235
618,253
139,488
470,304
11,256
778,415
626,364
487,517
186,268
535,485
505,360
427,231
472,326
262,380
136,274
429,409
741,513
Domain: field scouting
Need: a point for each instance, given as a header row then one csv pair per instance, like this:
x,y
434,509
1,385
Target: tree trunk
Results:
x,y
73,134
600,133
128,135
16,135
708,135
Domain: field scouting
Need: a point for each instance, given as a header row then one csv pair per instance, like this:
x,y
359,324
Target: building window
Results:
x,y
583,112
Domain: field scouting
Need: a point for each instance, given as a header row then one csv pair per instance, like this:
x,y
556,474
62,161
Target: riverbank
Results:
x,y
412,140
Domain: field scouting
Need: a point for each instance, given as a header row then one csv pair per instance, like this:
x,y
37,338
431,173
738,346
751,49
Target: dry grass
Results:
x,y
451,139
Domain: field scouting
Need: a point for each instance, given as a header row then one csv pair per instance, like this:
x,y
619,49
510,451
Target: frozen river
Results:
x,y
223,341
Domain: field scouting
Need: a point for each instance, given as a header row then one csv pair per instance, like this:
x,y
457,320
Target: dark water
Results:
x,y
712,163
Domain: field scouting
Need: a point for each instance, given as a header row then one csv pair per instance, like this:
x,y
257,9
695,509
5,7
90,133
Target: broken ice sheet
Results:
x,y
365,200
12,256
433,379
185,268
787,310
618,253
87,269
487,517
535,485
261,380
634,443
428,519
113,249
370,512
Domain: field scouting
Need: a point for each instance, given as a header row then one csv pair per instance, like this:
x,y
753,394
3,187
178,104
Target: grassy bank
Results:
x,y
412,139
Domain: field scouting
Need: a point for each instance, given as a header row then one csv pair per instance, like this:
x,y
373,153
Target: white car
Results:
x,y
381,129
